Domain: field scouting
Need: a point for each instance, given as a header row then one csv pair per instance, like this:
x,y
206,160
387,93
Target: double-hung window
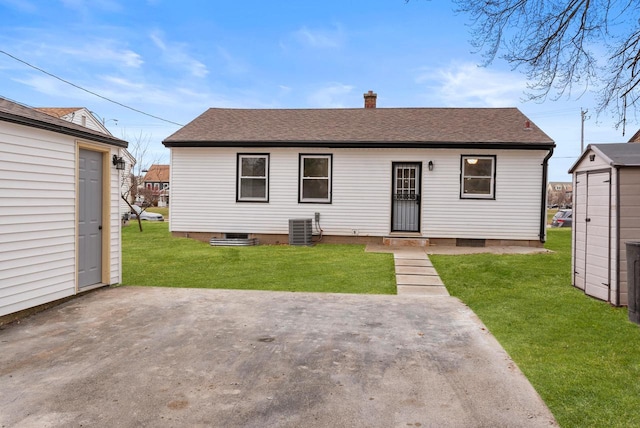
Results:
x,y
253,178
315,178
478,177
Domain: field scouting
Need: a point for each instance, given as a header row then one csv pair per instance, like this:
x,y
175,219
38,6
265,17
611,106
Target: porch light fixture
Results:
x,y
430,165
118,162
472,161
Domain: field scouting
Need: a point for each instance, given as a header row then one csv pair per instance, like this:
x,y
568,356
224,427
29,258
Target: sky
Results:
x,y
173,60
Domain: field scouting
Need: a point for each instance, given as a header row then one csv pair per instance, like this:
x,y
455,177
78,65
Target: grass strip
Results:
x,y
155,258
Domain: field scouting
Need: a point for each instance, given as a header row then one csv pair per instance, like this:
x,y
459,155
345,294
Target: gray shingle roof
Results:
x,y
380,127
619,154
17,113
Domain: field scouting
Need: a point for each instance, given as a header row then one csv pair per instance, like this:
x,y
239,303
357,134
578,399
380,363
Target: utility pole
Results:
x,y
583,118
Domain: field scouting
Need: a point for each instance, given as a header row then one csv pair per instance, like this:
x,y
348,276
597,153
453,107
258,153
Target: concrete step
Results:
x,y
393,241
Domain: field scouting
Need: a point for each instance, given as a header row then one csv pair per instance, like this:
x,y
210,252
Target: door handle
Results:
x,y
587,220
100,227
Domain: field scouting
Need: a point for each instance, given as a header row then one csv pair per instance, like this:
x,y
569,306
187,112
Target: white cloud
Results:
x,y
104,51
45,85
176,54
468,85
321,39
334,95
123,83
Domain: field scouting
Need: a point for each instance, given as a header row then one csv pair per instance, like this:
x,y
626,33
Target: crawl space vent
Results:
x,y
300,231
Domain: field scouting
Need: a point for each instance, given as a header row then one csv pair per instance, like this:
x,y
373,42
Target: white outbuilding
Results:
x,y
59,208
606,215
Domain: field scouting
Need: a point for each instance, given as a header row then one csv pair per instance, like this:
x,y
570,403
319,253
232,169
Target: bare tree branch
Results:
x,y
562,45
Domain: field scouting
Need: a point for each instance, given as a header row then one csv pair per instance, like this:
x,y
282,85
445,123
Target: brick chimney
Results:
x,y
370,99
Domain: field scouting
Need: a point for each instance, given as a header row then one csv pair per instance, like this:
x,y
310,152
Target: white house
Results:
x,y
606,215
437,176
59,208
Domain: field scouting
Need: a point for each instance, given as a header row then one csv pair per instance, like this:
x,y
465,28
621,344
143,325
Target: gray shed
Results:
x,y
606,214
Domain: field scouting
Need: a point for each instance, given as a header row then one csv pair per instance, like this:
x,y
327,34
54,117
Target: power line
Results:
x,y
88,91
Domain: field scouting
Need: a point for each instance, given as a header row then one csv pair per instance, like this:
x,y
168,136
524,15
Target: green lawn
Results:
x,y
581,355
155,258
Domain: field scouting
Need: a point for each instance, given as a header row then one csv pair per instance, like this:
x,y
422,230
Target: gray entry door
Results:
x,y
90,218
405,212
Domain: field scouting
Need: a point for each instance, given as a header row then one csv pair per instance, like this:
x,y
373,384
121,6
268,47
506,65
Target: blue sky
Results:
x,y
176,59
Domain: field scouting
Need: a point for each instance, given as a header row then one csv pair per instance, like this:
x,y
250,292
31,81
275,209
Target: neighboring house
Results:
x,y
559,194
635,138
59,208
443,176
606,215
84,117
78,115
156,182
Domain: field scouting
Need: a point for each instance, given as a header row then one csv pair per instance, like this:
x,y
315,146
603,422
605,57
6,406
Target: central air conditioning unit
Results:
x,y
300,231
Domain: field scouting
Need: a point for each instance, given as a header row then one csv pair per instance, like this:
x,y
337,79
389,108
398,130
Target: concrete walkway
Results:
x,y
415,275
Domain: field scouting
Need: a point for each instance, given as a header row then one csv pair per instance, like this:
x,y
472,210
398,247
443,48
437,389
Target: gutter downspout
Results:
x,y
618,239
543,206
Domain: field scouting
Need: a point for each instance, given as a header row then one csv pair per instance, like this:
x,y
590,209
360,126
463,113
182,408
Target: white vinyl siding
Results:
x,y
361,193
514,214
115,219
37,214
38,218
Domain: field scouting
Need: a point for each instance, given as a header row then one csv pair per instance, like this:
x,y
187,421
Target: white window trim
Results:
x,y
301,178
492,187
241,156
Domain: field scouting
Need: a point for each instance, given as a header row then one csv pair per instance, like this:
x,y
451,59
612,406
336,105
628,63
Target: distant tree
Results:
x,y
131,184
565,45
149,196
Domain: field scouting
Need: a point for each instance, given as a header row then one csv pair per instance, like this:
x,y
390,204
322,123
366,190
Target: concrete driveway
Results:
x,y
133,356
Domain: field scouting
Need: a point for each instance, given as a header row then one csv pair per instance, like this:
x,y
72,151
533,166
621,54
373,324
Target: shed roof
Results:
x,y
16,113
373,127
615,154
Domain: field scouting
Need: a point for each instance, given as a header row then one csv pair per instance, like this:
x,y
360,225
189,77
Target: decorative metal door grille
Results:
x,y
406,197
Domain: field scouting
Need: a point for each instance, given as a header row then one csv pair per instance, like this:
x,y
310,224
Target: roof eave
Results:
x,y
366,144
20,120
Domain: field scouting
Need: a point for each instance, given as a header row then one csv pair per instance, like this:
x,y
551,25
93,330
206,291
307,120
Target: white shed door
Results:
x,y
591,220
579,230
